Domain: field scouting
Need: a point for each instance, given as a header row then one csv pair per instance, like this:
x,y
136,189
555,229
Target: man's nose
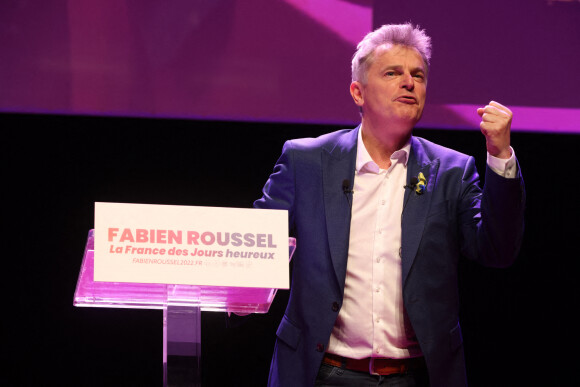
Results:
x,y
407,82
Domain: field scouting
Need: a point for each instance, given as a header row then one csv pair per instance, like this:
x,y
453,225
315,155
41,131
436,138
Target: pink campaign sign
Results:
x,y
146,243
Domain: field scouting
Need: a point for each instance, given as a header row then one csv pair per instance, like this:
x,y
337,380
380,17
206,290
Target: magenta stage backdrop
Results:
x,y
283,60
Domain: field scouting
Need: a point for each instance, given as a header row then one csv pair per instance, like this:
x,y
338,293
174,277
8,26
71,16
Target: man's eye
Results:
x,y
419,76
390,73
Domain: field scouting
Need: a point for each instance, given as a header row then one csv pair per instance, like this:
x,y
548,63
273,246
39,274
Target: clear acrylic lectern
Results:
x,y
182,306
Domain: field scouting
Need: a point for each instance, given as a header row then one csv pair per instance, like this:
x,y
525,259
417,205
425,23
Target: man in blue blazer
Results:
x,y
381,220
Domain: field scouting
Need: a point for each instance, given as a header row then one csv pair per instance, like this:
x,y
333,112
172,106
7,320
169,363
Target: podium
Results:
x,y
182,306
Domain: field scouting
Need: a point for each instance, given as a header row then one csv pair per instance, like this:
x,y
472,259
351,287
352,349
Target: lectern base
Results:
x,y
181,346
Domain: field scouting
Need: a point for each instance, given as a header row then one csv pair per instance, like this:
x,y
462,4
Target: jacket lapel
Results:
x,y
416,207
338,164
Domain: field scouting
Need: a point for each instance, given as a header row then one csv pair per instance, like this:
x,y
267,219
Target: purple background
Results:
x,y
226,59
283,60
522,53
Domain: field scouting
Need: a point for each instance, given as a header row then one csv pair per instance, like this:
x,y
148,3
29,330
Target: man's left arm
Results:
x,y
503,199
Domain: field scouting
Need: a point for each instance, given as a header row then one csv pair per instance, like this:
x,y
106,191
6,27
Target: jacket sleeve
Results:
x,y
279,190
492,221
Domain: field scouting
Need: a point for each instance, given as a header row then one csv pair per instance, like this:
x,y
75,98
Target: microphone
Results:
x,y
346,187
412,183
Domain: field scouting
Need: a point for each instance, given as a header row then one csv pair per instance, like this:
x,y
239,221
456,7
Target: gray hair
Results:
x,y
389,34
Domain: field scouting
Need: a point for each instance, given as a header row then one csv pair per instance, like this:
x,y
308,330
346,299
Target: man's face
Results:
x,y
395,89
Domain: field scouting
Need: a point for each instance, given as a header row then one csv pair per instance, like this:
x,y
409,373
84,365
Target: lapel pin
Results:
x,y
421,184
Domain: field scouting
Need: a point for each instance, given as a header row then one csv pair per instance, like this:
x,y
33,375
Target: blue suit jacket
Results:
x,y
453,218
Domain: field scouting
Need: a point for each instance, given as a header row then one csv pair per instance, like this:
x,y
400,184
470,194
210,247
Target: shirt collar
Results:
x,y
364,159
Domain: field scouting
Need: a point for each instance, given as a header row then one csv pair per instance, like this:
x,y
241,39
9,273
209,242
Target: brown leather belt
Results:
x,y
377,366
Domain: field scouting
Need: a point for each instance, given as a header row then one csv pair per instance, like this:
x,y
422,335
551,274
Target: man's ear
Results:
x,y
356,91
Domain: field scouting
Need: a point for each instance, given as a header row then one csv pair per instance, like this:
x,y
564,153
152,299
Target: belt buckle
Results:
x,y
372,366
